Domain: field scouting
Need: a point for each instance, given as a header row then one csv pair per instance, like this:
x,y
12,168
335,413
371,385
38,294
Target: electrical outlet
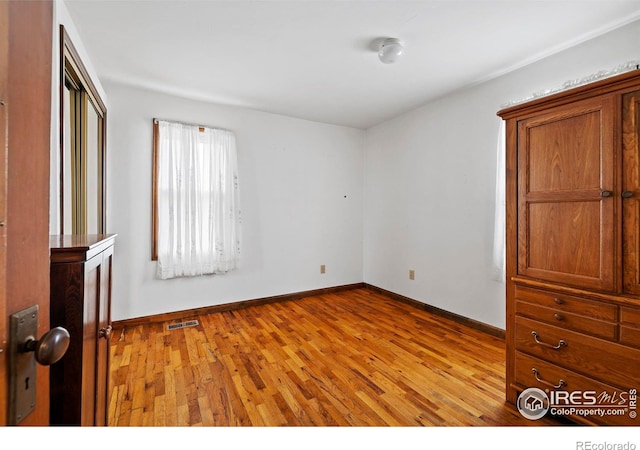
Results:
x,y
323,268
412,274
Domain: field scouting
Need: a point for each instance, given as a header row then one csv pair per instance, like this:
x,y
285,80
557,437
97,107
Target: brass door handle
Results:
x,y
105,333
50,348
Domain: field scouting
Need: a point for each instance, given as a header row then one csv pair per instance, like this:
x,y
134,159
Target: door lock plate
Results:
x,y
22,365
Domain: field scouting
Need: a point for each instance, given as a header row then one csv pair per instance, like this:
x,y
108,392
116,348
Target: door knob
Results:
x,y
606,193
50,348
24,351
627,194
105,333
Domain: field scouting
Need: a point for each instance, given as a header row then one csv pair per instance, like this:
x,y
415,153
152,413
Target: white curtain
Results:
x,y
499,246
198,201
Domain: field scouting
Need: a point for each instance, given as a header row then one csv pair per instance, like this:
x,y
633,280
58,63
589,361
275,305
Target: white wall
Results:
x,y
430,183
425,182
301,189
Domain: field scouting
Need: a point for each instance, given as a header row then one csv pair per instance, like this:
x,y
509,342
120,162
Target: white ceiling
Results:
x,y
317,60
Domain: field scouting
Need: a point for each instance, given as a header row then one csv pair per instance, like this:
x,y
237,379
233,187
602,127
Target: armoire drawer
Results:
x,y
534,372
568,304
630,326
630,336
561,318
595,358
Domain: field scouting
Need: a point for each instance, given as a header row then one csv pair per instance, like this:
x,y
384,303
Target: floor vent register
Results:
x,y
177,326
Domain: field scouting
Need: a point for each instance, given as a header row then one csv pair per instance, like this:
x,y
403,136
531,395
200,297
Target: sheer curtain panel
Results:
x,y
499,243
198,204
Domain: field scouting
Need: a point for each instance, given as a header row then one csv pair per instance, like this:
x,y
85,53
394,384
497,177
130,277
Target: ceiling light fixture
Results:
x,y
390,50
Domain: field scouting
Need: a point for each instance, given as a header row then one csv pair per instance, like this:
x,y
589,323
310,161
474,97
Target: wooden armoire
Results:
x,y
81,272
573,248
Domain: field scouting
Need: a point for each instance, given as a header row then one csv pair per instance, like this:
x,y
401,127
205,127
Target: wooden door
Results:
x,y
104,332
91,305
4,64
95,344
566,201
25,121
631,192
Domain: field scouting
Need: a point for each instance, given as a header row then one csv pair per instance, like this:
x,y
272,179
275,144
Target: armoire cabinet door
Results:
x,y
91,302
566,195
630,193
104,331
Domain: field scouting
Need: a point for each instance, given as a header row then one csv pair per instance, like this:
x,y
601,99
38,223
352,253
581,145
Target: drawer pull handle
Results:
x,y
547,383
561,344
558,301
558,316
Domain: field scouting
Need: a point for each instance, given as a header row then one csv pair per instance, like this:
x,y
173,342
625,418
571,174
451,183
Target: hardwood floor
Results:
x,y
354,358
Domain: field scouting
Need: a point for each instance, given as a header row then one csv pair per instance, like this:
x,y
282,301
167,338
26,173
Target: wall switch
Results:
x,y
323,268
412,274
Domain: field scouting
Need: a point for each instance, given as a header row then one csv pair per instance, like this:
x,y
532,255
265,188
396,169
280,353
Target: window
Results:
x,y
83,117
196,207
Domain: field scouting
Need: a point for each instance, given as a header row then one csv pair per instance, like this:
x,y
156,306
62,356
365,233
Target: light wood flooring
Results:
x,y
354,358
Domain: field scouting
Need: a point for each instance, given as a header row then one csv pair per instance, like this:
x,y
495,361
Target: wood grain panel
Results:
x,y
338,359
568,304
511,253
565,240
69,315
27,141
4,125
595,358
630,336
551,376
564,154
103,332
630,316
576,322
90,302
631,184
630,327
566,231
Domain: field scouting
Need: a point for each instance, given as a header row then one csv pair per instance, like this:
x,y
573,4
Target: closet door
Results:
x,y
630,193
566,199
